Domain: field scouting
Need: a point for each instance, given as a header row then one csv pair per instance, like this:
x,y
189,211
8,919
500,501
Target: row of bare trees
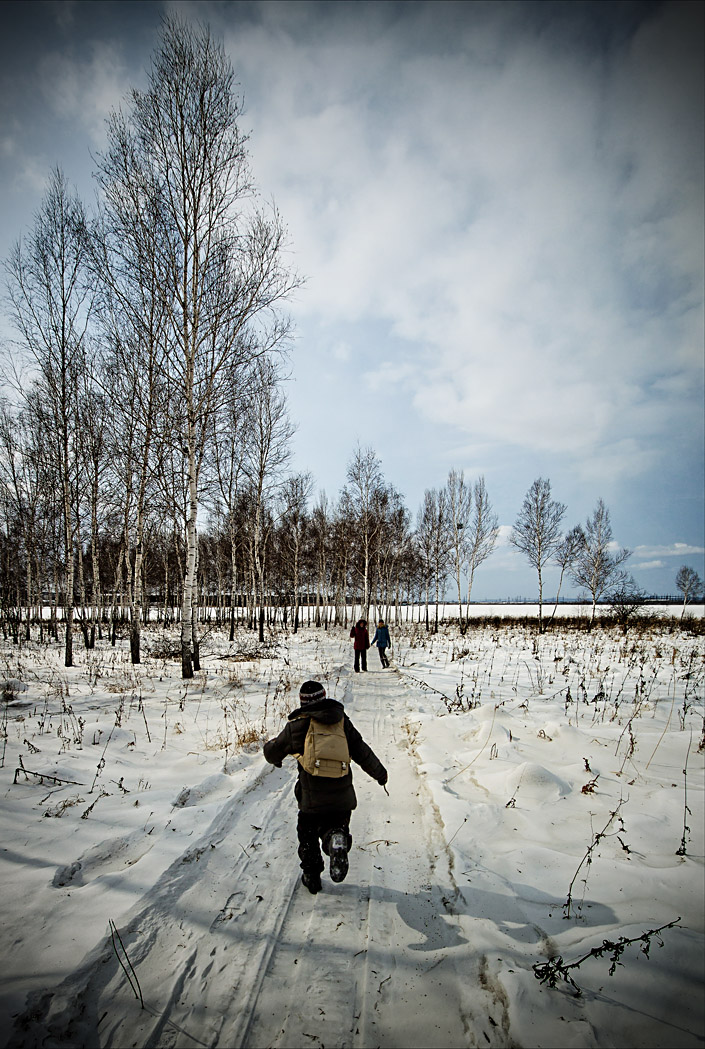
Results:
x,y
266,551
263,549
586,553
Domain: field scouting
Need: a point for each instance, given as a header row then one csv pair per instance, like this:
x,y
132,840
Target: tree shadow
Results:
x,y
432,912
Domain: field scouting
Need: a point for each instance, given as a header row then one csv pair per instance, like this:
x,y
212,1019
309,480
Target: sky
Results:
x,y
498,211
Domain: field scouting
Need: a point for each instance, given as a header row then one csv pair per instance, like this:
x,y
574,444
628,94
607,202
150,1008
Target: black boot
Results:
x,y
312,881
338,851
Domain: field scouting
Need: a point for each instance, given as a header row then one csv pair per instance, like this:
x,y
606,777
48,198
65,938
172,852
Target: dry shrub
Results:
x,y
123,682
689,624
246,736
249,735
165,647
234,677
56,811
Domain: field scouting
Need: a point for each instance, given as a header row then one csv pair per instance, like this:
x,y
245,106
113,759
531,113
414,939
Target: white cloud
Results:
x,y
523,221
85,88
503,536
22,171
672,550
341,351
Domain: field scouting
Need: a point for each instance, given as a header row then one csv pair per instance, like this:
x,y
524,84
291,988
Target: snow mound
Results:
x,y
490,712
537,782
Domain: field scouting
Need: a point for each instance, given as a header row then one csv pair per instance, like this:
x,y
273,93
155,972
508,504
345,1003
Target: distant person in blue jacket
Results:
x,y
381,639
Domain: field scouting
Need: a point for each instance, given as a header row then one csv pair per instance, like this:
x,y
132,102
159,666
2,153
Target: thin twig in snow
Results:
x,y
136,989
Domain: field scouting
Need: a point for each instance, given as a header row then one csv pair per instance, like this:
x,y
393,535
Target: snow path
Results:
x,y
228,955
390,977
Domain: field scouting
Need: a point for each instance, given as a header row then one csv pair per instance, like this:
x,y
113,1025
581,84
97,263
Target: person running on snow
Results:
x,y
382,640
362,643
325,803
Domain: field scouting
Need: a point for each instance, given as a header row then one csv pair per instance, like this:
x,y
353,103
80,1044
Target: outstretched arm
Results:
x,y
275,750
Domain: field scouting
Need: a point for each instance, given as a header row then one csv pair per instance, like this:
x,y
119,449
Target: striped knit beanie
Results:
x,y
311,692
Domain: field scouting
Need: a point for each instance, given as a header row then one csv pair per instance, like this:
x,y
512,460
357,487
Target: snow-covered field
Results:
x,y
536,809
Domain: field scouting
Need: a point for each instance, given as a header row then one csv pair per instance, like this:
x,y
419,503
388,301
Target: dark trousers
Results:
x,y
383,656
315,826
360,654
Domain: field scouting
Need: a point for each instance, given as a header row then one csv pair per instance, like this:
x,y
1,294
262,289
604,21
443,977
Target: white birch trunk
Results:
x,y
190,574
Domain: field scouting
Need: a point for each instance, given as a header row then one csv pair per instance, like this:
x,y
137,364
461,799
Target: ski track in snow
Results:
x,y
221,965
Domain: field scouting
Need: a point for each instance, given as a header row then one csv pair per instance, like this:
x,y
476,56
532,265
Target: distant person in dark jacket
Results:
x,y
325,804
383,642
362,643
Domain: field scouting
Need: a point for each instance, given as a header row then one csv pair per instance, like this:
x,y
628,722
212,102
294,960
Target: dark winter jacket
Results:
x,y
362,638
381,638
319,793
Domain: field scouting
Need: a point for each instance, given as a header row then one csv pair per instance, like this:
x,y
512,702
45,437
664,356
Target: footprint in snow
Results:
x,y
110,856
210,789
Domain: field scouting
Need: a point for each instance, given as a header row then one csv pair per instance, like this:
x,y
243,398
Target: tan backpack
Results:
x,y
326,750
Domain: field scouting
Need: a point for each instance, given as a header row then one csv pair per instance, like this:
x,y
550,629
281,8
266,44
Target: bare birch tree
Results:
x,y
230,480
22,482
223,257
269,433
93,423
295,495
537,530
483,530
52,300
563,558
458,502
321,543
471,531
131,256
596,565
391,547
690,585
431,539
343,541
361,496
